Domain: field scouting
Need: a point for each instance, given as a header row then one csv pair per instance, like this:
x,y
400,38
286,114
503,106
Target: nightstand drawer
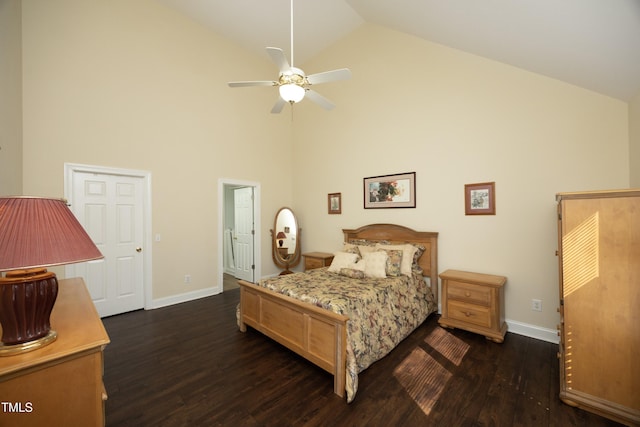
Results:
x,y
311,263
473,294
316,260
469,313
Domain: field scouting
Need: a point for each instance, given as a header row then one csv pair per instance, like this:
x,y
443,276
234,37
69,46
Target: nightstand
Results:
x,y
316,260
474,302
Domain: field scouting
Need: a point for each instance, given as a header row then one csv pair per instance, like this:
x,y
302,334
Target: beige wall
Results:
x,y
10,98
135,85
634,141
455,119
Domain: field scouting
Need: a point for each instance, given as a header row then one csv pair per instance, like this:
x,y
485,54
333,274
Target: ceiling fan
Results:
x,y
293,85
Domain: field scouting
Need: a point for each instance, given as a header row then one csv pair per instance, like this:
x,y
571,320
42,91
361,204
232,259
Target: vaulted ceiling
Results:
x,y
594,44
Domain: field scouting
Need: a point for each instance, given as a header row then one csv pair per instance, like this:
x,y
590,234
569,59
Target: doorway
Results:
x,y
238,231
113,205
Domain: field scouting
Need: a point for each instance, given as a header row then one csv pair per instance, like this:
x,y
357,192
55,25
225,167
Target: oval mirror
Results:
x,y
285,240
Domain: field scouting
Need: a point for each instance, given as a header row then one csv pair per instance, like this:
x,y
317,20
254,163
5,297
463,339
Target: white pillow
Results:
x,y
360,265
366,249
342,260
408,251
375,264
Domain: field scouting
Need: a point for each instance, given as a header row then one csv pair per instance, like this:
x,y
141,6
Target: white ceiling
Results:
x,y
594,44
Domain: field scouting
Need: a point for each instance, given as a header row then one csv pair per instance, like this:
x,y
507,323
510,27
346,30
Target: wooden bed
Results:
x,y
317,334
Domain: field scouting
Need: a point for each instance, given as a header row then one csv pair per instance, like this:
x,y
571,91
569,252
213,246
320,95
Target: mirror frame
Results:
x,y
292,260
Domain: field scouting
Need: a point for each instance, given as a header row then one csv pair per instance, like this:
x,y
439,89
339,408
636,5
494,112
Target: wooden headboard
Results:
x,y
400,234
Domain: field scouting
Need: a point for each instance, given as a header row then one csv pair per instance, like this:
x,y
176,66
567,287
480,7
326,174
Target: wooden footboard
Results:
x,y
318,335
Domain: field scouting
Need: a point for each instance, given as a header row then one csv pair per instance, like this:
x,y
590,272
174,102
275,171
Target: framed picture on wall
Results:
x,y
390,191
334,202
480,199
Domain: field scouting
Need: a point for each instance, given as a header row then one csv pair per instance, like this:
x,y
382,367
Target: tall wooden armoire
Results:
x,y
599,252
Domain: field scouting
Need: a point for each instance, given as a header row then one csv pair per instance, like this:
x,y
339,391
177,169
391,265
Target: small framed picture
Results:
x,y
480,199
390,191
334,202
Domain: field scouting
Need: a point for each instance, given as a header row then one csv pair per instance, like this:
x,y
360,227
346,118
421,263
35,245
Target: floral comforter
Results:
x,y
382,312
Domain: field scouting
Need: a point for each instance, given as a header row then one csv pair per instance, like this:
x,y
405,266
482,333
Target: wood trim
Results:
x,y
629,192
318,335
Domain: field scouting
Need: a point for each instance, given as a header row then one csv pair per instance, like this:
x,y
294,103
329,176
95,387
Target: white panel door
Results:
x,y
110,207
244,238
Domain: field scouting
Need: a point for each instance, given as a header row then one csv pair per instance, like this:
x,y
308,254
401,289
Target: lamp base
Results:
x,y
11,349
26,300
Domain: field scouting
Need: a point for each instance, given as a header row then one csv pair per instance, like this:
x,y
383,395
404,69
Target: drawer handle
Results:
x,y
467,294
467,313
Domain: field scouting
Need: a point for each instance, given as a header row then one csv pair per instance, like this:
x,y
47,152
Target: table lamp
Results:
x,y
35,233
281,236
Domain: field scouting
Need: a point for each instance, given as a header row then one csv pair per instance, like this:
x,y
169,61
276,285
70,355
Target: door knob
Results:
x,y
138,249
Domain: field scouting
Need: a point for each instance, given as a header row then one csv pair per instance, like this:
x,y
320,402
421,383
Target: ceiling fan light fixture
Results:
x,y
293,84
292,93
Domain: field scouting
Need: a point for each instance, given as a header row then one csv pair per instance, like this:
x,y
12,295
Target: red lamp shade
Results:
x,y
35,233
40,232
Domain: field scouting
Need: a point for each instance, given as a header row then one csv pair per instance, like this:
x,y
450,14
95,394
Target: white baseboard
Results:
x,y
533,331
186,297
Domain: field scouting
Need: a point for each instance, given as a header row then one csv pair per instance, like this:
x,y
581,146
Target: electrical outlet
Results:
x,y
187,278
536,305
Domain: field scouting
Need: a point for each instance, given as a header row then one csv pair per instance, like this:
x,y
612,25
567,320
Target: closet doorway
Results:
x,y
239,229
114,206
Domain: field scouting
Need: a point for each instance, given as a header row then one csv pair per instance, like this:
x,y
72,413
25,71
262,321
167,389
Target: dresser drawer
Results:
x,y
469,293
469,313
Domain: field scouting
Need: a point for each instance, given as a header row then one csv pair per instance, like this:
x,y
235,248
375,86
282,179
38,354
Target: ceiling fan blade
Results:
x,y
277,56
319,99
253,83
329,76
277,107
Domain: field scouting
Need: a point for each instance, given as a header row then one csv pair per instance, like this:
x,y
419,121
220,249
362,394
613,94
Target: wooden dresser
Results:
x,y
474,302
60,384
599,255
316,260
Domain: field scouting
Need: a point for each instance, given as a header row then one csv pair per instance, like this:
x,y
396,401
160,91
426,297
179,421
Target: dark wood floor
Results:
x,y
188,365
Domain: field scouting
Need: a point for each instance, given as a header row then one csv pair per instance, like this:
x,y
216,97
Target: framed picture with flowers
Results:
x,y
480,199
390,191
